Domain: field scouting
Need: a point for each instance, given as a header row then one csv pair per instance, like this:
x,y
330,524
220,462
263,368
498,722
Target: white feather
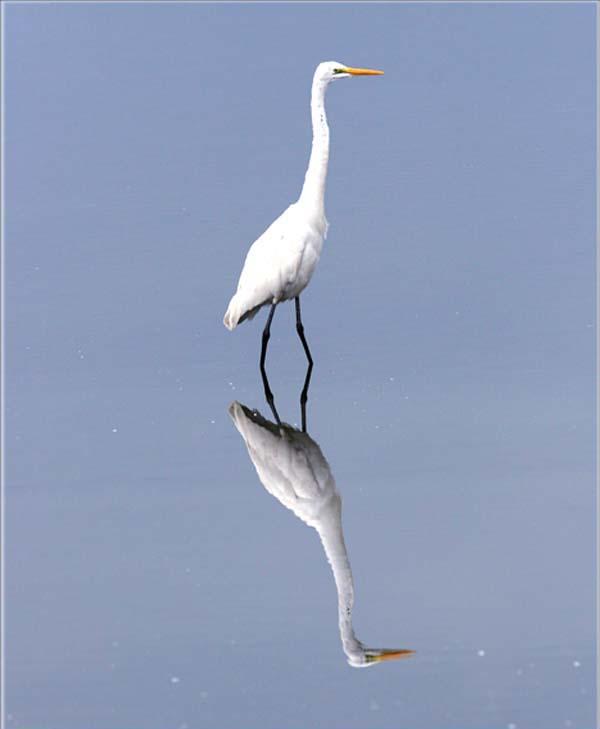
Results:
x,y
279,264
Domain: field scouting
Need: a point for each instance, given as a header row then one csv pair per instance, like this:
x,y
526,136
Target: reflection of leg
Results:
x,y
304,394
263,355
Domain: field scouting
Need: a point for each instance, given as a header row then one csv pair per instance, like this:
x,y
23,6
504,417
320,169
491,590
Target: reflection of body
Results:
x,y
292,468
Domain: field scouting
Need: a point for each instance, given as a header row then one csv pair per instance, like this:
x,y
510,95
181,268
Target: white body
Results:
x,y
292,468
281,262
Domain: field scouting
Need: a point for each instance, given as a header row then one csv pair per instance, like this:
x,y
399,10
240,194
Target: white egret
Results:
x,y
292,468
281,262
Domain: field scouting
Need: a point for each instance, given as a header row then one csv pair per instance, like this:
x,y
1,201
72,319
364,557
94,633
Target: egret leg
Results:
x,y
304,393
263,355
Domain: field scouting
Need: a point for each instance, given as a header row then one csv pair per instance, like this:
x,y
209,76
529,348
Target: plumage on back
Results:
x,y
279,264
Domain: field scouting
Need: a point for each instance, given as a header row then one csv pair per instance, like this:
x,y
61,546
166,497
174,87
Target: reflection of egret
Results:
x,y
292,468
281,262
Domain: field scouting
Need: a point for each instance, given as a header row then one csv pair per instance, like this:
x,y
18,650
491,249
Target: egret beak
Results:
x,y
363,71
387,655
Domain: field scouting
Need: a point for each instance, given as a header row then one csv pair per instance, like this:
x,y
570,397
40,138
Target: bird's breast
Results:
x,y
301,266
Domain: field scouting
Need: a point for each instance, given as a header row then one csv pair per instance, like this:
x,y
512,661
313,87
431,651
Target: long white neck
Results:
x,y
313,190
329,527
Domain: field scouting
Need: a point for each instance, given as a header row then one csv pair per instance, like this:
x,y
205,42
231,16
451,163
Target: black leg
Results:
x,y
263,355
304,393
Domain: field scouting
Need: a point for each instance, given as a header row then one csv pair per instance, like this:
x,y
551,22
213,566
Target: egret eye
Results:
x,y
338,70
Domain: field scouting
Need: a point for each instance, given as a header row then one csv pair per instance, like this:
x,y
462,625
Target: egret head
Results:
x,y
331,70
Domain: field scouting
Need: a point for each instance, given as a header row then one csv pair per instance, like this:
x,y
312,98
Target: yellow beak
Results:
x,y
387,655
363,71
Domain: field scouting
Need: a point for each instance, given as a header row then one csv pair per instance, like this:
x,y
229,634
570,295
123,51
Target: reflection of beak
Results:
x,y
363,71
377,656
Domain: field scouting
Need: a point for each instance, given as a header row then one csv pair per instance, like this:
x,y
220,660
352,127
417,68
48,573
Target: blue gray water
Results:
x,y
152,581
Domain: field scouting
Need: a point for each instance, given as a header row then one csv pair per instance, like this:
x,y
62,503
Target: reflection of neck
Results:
x,y
313,190
329,527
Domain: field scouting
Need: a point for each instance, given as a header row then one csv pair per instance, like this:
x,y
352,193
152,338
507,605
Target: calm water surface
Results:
x,y
154,580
